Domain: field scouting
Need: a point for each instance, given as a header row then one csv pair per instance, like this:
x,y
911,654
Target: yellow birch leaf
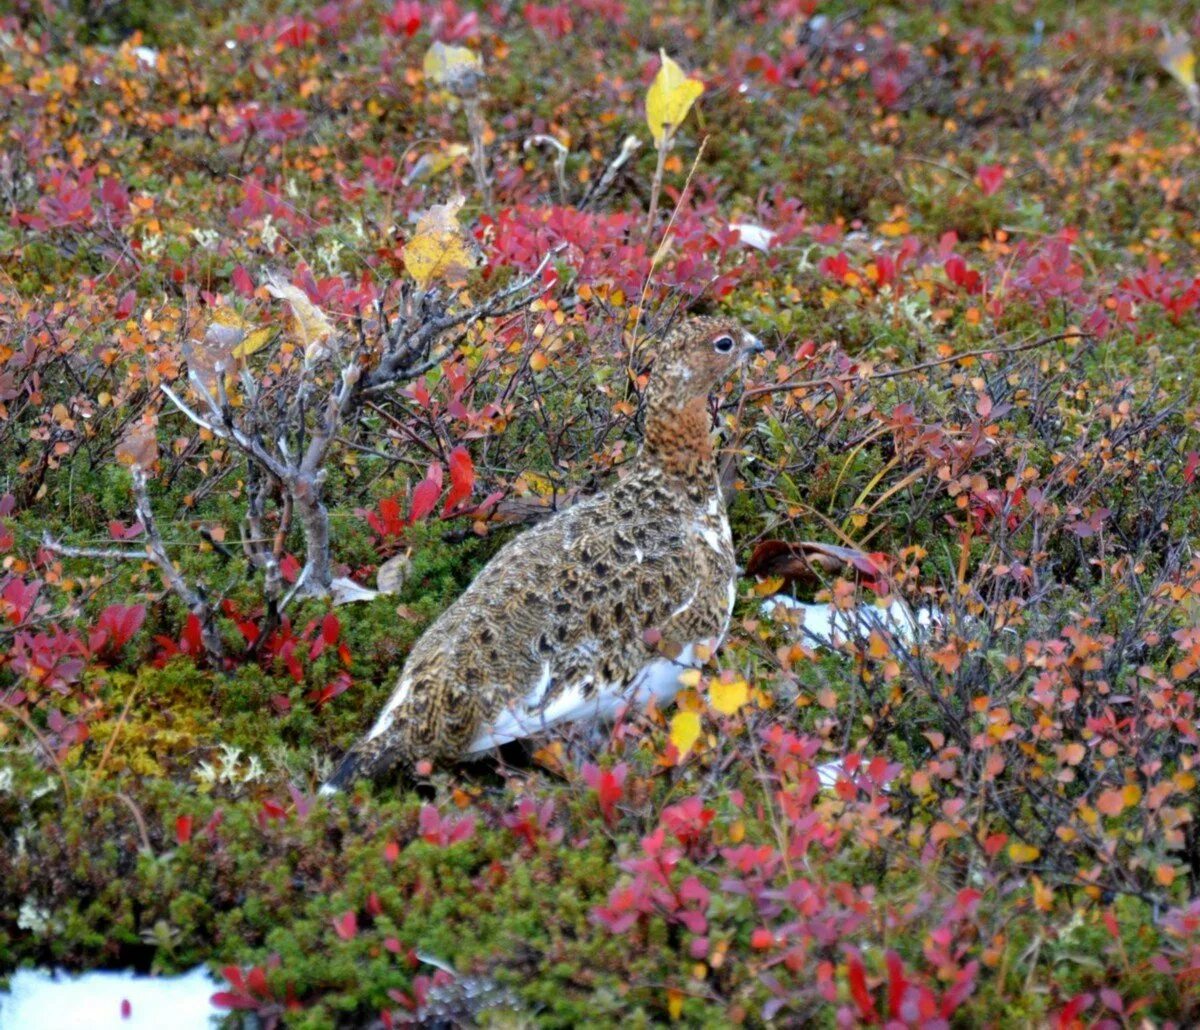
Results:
x,y
685,731
446,65
435,163
1022,853
1176,56
312,329
669,98
728,698
770,585
438,248
1043,896
253,342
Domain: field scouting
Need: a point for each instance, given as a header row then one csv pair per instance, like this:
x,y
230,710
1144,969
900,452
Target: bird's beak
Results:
x,y
752,345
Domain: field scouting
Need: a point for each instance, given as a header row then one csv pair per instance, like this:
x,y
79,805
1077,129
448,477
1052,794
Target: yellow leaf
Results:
x,y
438,249
674,1002
685,731
877,647
1022,853
728,698
689,678
253,342
669,98
538,361
896,228
312,328
451,65
1043,896
770,585
1165,875
435,162
1176,56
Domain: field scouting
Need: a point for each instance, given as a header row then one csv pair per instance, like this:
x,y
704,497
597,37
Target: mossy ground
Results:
x,y
184,828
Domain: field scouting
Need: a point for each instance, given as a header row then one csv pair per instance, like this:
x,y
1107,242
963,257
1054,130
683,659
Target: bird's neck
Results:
x,y
678,442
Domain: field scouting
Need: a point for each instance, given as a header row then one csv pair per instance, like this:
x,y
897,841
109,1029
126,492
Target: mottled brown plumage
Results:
x,y
602,605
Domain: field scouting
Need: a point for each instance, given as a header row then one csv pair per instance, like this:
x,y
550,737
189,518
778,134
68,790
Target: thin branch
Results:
x,y
785,387
400,363
101,553
227,431
139,819
629,146
45,744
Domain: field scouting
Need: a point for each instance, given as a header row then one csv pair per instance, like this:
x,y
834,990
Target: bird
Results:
x,y
601,606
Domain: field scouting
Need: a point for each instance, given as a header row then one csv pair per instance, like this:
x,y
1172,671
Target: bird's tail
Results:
x,y
357,764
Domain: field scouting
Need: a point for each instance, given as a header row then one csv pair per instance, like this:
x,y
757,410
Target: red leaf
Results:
x,y
183,829
119,531
126,1008
990,178
346,926
462,479
1110,923
256,980
403,19
242,282
609,785
858,987
289,567
426,493
897,983
330,628
1068,1015
1189,470
192,637
125,307
229,1000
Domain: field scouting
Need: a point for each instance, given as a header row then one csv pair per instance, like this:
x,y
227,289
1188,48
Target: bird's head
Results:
x,y
696,357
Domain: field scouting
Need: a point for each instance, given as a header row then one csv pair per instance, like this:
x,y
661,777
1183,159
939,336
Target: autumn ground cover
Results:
x,y
231,242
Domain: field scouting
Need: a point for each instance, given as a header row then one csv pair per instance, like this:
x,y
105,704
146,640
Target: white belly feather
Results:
x,y
659,680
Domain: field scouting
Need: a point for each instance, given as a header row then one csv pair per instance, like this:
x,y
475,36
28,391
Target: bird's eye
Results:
x,y
723,344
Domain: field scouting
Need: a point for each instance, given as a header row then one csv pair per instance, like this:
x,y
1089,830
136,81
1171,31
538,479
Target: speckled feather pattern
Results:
x,y
556,625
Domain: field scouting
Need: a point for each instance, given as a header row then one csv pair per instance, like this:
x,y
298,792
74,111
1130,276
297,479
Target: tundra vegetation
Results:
x,y
293,294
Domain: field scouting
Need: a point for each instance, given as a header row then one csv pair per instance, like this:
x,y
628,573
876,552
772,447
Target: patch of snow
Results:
x,y
146,55
755,236
828,774
40,1000
346,591
827,626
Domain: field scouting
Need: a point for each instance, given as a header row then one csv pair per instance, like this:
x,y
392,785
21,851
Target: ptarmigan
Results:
x,y
602,605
